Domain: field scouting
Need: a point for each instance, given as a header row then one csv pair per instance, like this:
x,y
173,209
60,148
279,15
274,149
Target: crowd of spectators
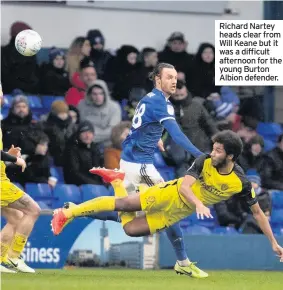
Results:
x,y
102,89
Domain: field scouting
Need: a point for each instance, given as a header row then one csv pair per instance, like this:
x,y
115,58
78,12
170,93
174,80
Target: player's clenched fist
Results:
x,y
203,211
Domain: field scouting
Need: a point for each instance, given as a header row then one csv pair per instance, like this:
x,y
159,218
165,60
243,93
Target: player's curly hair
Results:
x,y
231,142
158,70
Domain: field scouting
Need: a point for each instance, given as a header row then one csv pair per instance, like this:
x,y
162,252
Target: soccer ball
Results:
x,y
28,42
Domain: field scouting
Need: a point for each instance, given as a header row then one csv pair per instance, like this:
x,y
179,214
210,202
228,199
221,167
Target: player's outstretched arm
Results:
x,y
187,193
180,138
265,227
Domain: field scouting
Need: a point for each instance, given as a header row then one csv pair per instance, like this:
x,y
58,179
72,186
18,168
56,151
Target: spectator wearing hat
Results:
x,y
175,53
102,112
98,55
87,77
122,72
59,128
252,155
74,114
54,77
18,122
18,71
112,155
201,78
272,172
81,154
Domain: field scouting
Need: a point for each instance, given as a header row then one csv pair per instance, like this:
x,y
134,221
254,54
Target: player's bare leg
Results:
x,y
12,217
31,211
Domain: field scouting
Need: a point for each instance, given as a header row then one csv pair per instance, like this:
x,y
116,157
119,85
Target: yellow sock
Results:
x,y
121,192
4,252
119,188
17,245
96,205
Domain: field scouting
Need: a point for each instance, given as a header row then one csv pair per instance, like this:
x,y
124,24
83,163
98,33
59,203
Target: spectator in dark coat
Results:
x,y
252,156
193,118
98,55
201,78
18,71
59,128
272,171
175,53
17,124
74,114
54,77
122,72
81,154
38,162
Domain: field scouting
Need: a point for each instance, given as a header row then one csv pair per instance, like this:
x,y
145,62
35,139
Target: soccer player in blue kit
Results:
x,y
154,113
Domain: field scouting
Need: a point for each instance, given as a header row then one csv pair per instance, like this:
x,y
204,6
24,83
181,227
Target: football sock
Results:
x,y
121,192
90,207
4,252
175,235
17,245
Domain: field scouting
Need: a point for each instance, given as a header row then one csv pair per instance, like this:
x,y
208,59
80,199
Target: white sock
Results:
x,y
184,263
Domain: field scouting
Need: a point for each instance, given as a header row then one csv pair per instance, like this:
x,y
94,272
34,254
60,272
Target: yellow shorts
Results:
x,y
163,206
9,193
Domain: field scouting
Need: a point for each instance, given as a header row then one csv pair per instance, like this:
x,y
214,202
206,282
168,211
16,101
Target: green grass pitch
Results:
x,y
106,279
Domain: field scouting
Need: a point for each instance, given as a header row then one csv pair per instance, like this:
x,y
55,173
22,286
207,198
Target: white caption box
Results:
x,y
249,52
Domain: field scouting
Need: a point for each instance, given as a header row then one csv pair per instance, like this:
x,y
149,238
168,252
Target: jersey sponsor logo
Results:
x,y
210,188
170,110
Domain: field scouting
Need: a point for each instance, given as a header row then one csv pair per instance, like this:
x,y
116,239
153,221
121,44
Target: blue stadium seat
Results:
x,y
43,205
66,192
269,131
34,102
278,231
40,192
48,100
277,217
90,191
197,230
225,231
269,145
7,101
19,186
58,173
4,113
277,199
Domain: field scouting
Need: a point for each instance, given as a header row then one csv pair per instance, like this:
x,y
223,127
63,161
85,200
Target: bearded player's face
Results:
x,y
218,155
168,80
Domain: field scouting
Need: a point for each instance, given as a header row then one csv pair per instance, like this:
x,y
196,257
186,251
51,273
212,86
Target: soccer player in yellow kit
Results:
x,y
211,179
20,212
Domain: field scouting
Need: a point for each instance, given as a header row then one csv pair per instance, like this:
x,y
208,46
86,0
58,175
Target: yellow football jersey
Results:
x,y
3,175
212,187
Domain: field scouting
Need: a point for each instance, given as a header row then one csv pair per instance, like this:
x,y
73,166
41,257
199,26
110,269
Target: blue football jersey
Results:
x,y
146,130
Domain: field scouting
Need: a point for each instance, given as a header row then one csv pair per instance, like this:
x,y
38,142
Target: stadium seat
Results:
x,y
197,230
48,100
7,101
34,102
278,231
90,191
277,217
43,205
4,113
269,145
40,192
66,192
277,199
269,131
225,231
19,186
57,172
